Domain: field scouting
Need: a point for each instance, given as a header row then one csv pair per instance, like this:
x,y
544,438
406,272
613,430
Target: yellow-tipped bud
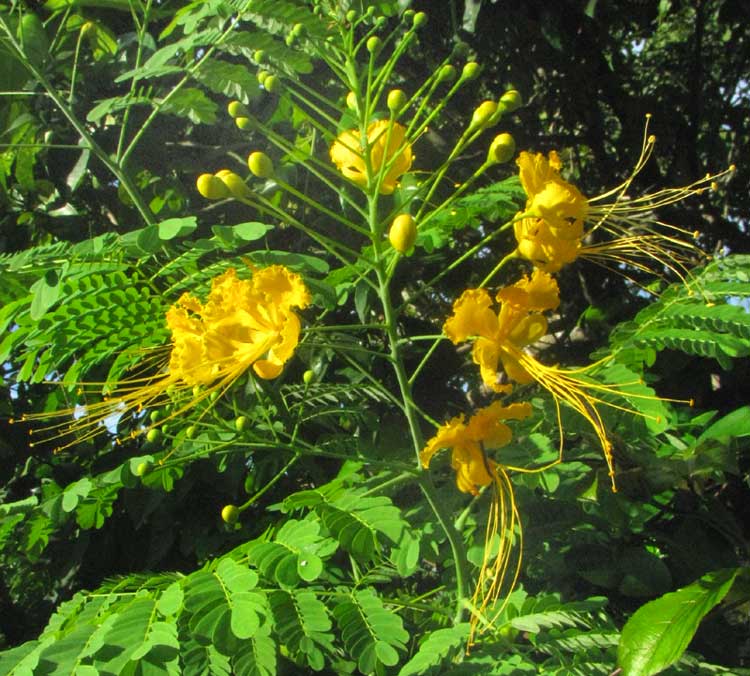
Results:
x,y
511,100
419,20
230,514
470,71
351,101
260,164
403,233
236,186
483,114
237,109
211,187
502,149
243,122
396,100
374,44
88,27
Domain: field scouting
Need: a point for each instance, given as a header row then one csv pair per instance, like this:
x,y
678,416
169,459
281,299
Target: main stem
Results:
x,y
425,482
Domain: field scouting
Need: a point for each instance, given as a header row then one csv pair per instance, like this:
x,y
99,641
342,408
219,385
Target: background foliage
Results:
x,y
338,565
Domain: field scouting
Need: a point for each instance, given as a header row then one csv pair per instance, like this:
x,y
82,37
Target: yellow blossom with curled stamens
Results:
x,y
557,217
500,336
387,152
469,442
243,324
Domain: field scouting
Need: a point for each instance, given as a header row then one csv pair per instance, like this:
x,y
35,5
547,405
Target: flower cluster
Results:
x,y
244,323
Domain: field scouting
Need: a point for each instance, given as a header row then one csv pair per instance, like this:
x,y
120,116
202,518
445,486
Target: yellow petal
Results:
x,y
281,286
447,436
472,316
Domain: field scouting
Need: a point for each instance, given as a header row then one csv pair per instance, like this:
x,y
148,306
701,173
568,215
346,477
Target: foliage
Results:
x,y
340,553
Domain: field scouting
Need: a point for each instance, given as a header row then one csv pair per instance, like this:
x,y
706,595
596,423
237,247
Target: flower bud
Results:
x,y
511,100
259,55
153,435
263,75
230,514
211,187
191,432
143,468
307,376
272,84
237,109
351,101
240,423
419,20
260,164
374,44
447,73
483,114
502,149
298,30
351,16
470,71
236,186
396,100
403,233
88,27
243,122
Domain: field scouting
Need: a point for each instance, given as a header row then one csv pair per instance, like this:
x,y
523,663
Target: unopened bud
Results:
x,y
374,44
230,514
447,73
298,30
237,109
236,186
470,71
307,376
351,101
483,114
396,100
511,100
211,187
243,122
260,164
272,84
88,27
351,16
403,233
419,20
502,149
263,75
259,55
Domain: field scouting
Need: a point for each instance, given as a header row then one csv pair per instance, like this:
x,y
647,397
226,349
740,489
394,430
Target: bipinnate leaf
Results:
x,y
660,631
437,647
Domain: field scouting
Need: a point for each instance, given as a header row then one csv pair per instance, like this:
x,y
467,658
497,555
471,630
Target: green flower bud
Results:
x,y
243,122
211,187
290,39
396,100
272,84
259,55
153,435
237,109
351,101
483,114
502,149
419,20
351,16
260,164
191,432
470,71
511,100
263,75
230,514
447,73
143,468
298,30
240,423
374,44
307,376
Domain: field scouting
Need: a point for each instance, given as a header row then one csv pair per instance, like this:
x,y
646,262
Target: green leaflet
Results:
x,y
658,633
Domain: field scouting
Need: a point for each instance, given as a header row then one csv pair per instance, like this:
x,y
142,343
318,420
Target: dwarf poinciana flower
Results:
x,y
243,324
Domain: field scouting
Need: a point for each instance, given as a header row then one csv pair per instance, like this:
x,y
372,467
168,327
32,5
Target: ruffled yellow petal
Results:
x,y
447,436
472,468
346,155
533,294
282,286
471,316
537,244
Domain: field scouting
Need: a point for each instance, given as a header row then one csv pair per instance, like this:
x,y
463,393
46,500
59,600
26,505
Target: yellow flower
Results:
x,y
551,229
385,158
500,336
243,323
469,442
